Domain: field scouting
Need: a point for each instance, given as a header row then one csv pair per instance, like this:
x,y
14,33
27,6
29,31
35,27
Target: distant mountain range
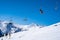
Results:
x,y
30,32
10,27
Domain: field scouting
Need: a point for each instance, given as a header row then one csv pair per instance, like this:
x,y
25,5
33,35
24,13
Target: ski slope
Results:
x,y
51,32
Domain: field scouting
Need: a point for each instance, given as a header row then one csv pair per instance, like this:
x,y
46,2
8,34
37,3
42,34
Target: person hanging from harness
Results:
x,y
41,11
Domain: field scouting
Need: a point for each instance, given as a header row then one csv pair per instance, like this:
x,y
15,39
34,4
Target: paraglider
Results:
x,y
41,11
56,7
25,19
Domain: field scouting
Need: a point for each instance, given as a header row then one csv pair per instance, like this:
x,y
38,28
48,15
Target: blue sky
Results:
x,y
20,9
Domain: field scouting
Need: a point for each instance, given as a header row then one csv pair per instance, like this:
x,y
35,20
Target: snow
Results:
x,y
51,32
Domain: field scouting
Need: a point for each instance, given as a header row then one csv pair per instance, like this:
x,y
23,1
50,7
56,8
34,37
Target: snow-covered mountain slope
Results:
x,y
7,27
51,32
26,27
10,27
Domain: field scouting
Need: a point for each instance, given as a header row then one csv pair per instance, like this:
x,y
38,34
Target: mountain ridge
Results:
x,y
51,32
